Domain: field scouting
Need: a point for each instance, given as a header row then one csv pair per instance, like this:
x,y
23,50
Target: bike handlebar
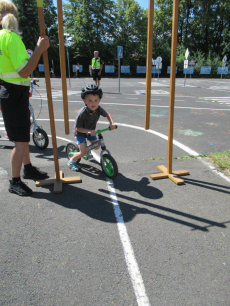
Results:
x,y
98,132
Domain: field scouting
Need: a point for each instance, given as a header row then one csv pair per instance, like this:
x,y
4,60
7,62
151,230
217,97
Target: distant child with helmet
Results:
x,y
86,121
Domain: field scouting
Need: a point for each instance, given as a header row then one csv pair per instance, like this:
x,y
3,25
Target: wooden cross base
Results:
x,y
58,184
173,176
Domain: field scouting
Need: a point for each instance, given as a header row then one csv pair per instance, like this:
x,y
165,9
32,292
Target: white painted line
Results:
x,y
160,106
134,272
214,169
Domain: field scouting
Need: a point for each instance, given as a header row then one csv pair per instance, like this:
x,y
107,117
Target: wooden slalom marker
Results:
x,y
58,179
167,172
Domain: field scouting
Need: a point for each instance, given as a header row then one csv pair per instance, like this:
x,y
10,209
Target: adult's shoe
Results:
x,y
20,188
34,173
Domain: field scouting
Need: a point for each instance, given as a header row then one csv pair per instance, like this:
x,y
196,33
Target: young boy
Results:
x,y
86,121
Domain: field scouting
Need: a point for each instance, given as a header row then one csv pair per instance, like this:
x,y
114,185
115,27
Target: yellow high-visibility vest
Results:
x,y
13,58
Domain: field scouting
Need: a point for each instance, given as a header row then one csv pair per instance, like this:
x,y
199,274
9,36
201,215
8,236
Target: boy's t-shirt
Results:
x,y
87,121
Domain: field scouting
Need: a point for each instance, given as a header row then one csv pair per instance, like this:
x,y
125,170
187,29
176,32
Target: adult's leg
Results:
x,y
19,155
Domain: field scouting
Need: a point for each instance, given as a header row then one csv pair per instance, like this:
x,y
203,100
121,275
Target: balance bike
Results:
x,y
107,162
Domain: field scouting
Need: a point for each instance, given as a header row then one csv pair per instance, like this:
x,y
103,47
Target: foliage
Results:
x,y
203,28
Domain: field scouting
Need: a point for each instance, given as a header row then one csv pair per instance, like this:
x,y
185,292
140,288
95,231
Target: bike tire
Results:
x,y
71,149
109,166
42,140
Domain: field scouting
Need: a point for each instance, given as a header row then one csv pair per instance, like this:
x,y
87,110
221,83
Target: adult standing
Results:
x,y
77,71
15,69
96,68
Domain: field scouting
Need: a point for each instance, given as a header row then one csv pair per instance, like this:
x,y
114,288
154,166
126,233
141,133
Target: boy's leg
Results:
x,y
72,162
81,153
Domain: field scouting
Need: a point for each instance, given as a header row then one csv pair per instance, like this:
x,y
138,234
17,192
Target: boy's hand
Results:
x,y
112,126
92,133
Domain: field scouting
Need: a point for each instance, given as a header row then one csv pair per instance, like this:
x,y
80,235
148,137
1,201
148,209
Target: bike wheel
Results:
x,y
71,149
109,166
40,139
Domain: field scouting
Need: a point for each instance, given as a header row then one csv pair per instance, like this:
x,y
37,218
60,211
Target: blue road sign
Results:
x,y
41,68
205,70
80,68
141,69
109,69
125,69
120,52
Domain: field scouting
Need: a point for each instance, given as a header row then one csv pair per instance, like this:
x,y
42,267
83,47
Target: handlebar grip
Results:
x,y
115,127
88,135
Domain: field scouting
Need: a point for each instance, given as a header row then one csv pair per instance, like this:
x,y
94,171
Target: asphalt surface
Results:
x,y
131,241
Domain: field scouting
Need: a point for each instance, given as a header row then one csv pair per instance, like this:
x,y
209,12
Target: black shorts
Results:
x,y
15,111
95,75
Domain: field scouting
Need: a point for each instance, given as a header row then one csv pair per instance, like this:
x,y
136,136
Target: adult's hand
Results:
x,y
43,43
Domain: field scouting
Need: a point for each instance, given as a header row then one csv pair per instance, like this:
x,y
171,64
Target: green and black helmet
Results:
x,y
91,89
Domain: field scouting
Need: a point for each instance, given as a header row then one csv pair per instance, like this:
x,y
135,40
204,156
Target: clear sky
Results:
x,y
142,3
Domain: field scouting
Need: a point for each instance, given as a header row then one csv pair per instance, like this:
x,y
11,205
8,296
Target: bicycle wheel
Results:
x,y
40,139
71,149
109,166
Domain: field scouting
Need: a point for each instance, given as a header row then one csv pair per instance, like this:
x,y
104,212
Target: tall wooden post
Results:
x,y
149,63
167,172
58,180
62,64
48,89
172,83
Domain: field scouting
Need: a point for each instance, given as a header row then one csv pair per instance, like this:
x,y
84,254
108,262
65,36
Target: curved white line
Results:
x,y
175,142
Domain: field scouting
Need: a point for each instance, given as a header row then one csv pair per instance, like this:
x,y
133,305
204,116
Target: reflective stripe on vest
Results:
x,y
96,63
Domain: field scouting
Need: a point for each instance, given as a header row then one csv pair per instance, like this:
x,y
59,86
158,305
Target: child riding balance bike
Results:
x,y
84,128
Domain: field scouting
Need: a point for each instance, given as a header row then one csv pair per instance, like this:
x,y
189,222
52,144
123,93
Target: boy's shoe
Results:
x,y
74,166
20,188
34,173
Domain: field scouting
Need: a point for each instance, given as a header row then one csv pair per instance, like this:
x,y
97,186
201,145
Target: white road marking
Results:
x,y
134,272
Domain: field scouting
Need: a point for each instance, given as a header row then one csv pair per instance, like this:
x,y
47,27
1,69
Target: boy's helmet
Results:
x,y
91,89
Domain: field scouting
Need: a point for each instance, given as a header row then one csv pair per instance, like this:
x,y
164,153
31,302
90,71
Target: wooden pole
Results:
x,y
172,83
59,176
167,172
48,89
149,63
63,64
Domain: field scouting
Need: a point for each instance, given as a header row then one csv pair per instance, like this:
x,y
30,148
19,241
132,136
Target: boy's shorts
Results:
x,y
81,139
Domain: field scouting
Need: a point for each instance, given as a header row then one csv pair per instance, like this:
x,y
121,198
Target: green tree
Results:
x,y
90,25
28,22
131,33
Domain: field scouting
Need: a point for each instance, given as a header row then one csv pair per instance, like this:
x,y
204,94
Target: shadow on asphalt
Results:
x,y
207,185
98,205
48,152
126,210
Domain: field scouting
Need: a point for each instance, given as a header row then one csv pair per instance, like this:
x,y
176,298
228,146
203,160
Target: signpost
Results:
x,y
186,64
119,55
159,64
